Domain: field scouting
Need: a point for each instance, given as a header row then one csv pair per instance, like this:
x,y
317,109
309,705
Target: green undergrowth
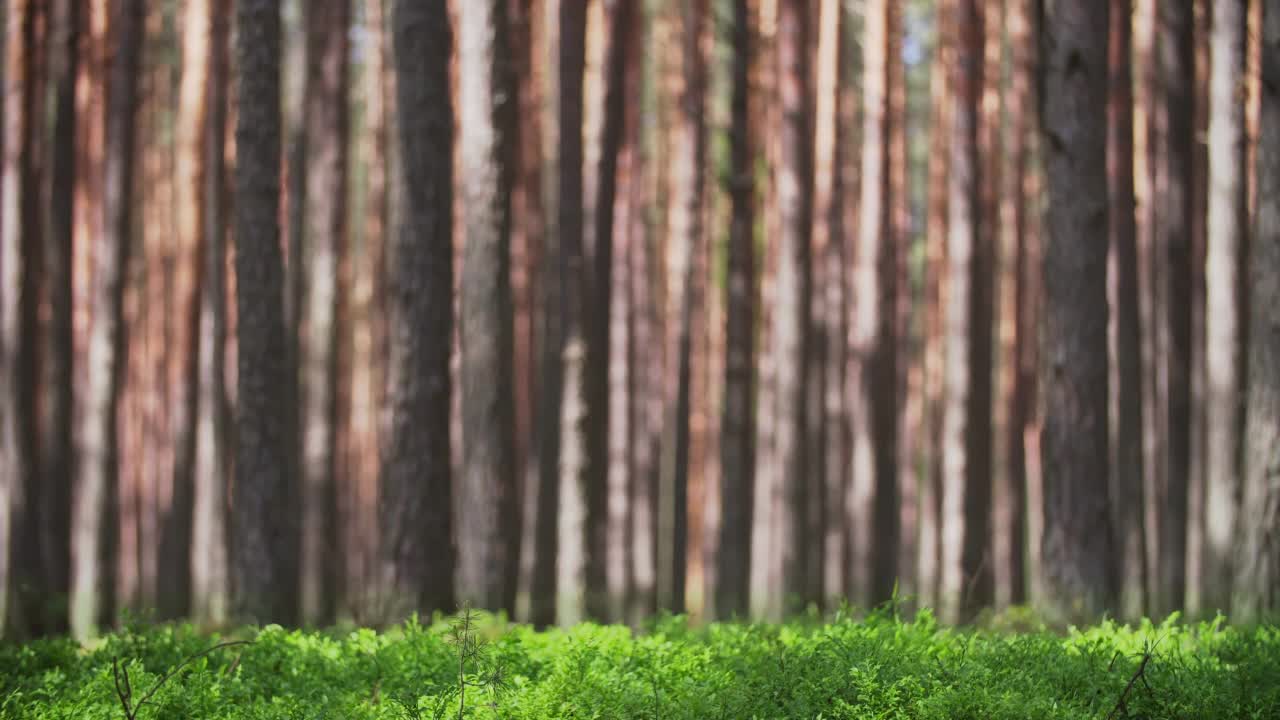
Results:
x,y
476,666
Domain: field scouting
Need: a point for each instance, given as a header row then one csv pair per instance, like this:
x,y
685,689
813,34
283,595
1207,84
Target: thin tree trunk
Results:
x,y
210,583
1175,212
324,191
683,307
1224,311
264,550
1078,552
488,484
966,568
928,560
106,363
1257,550
572,559
783,568
57,450
1127,496
737,466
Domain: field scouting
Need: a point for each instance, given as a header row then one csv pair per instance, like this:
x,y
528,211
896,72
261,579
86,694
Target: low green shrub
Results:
x,y
475,666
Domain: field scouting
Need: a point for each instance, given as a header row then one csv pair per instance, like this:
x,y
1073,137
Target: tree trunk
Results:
x,y
1224,295
780,563
1257,557
56,348
737,466
1127,497
1175,212
265,544
17,213
929,556
1078,552
683,306
324,236
105,367
210,583
966,485
571,560
487,487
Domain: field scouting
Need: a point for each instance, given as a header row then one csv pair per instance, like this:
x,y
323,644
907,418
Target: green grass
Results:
x,y
874,667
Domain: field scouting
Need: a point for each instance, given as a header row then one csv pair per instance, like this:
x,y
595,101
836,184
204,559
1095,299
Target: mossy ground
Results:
x,y
878,666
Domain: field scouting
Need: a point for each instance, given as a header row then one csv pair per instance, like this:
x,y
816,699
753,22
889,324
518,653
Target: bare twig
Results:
x,y
1139,674
124,690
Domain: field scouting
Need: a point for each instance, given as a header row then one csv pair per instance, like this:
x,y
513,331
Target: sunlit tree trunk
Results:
x,y
928,559
97,448
264,551
1256,588
780,562
1127,496
1174,213
1077,549
966,488
487,488
1225,292
210,583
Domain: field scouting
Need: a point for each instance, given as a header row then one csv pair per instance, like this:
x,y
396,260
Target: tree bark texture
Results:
x,y
1077,548
488,531
264,545
415,505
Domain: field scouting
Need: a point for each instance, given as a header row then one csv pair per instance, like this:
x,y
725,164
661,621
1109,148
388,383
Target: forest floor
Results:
x,y
476,666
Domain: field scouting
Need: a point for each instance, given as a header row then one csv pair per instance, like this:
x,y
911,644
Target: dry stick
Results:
x,y
125,693
1139,673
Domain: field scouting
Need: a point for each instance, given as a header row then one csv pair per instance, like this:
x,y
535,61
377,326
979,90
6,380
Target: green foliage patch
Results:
x,y
475,666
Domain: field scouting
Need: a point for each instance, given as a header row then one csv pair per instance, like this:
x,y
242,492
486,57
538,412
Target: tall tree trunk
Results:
x,y
106,362
173,580
780,562
683,308
623,82
415,504
17,213
737,453
264,550
966,485
57,451
1257,550
572,561
1078,552
1225,293
1127,496
546,503
599,520
210,584
928,568
324,238
1175,212
870,316
488,486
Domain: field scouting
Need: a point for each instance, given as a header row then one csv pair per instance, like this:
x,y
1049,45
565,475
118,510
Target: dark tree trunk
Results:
x,y
1225,292
572,559
417,538
1127,496
488,533
210,581
779,564
264,546
1077,549
1256,591
1176,63
106,357
737,448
